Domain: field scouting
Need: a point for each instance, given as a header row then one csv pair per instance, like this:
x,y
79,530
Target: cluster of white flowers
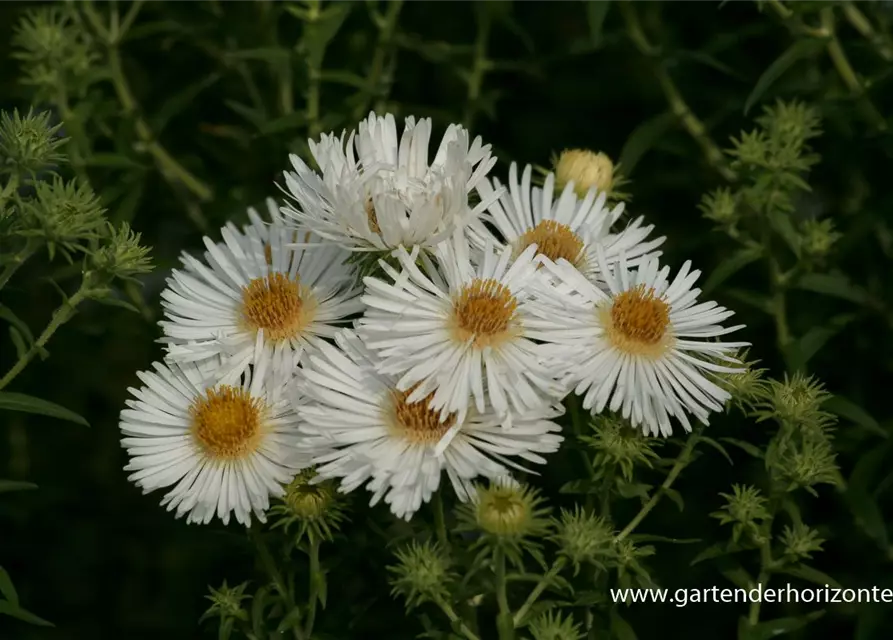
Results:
x,y
454,359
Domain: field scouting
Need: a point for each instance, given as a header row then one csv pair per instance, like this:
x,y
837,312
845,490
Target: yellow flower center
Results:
x,y
227,422
636,322
553,240
484,311
415,421
278,305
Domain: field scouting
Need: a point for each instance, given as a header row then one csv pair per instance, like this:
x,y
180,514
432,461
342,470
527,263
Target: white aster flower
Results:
x,y
400,448
222,448
458,332
379,191
645,347
567,227
257,282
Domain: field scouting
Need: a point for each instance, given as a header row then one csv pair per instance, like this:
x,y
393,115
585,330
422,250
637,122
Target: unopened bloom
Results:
x,y
380,191
583,170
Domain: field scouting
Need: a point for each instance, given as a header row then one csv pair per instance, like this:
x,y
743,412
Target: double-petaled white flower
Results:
x,y
378,191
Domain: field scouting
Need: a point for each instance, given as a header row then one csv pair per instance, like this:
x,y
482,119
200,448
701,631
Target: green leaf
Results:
x,y
18,341
293,120
730,266
782,225
112,301
844,408
799,50
713,551
253,116
676,497
596,12
7,314
800,352
744,446
180,101
112,161
30,404
774,628
805,572
620,628
633,489
647,537
291,619
642,139
868,516
14,611
8,486
319,32
837,285
226,628
757,300
344,77
713,443
738,576
7,590
707,60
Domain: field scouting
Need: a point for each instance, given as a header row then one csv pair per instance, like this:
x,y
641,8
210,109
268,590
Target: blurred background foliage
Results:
x,y
182,114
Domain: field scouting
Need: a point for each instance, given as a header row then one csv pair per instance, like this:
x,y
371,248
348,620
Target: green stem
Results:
x,y
577,426
848,74
16,261
440,520
455,619
172,170
682,461
383,46
678,106
60,316
269,565
541,586
504,622
861,24
479,68
767,564
793,22
314,586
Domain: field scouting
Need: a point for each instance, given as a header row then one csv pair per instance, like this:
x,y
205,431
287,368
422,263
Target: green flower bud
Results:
x,y
800,542
797,400
316,507
122,256
617,445
745,508
819,237
554,626
65,215
422,573
583,538
720,207
227,602
509,510
29,143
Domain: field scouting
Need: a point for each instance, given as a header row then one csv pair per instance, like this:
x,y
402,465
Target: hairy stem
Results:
x,y
479,68
18,259
315,580
269,565
678,106
60,316
541,586
172,170
682,461
504,622
455,619
384,45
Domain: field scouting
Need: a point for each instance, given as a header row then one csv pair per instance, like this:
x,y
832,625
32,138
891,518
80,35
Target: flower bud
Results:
x,y
553,625
227,602
315,507
421,573
65,215
29,143
583,538
509,510
618,445
818,237
800,542
122,256
720,207
586,169
745,508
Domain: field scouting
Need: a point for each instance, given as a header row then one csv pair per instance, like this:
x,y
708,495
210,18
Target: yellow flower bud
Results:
x,y
585,169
